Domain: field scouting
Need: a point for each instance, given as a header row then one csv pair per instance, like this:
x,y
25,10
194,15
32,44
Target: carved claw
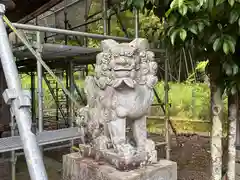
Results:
x,y
151,153
125,150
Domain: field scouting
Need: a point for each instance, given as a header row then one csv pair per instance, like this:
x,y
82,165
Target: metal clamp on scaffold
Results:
x,y
22,101
2,9
37,46
9,95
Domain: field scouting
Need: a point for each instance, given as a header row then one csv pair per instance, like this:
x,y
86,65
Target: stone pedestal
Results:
x,y
77,168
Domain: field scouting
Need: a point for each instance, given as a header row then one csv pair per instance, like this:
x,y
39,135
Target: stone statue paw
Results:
x,y
151,152
126,150
101,143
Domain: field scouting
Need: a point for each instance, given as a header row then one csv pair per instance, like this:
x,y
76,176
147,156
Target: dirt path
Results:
x,y
193,157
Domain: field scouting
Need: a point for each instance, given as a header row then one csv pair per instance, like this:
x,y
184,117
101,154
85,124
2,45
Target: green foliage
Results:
x,y
212,27
152,27
182,101
201,66
188,101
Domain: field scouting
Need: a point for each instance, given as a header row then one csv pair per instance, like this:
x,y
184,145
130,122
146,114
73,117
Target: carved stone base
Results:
x,y
120,163
77,168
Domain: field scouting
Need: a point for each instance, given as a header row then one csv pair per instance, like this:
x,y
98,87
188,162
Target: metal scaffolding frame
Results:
x,y
20,106
30,141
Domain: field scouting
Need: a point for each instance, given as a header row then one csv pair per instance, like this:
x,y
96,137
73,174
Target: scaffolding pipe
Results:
x,y
67,99
49,148
40,86
86,23
122,24
60,9
65,21
94,20
54,97
136,15
166,87
105,23
79,93
33,96
56,101
20,106
109,17
85,20
71,104
13,156
67,32
39,58
71,87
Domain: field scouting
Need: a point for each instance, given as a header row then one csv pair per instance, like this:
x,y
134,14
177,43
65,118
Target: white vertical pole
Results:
x,y
21,106
40,86
13,155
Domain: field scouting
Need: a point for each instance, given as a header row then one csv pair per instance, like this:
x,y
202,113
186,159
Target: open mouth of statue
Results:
x,y
119,82
122,73
121,68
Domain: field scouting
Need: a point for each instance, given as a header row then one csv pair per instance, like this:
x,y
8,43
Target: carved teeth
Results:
x,y
129,82
117,83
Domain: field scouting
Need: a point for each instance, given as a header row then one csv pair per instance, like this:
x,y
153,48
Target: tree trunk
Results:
x,y
232,120
217,115
238,122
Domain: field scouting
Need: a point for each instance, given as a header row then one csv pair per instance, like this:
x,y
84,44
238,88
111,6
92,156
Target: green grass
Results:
x,y
156,124
189,101
181,125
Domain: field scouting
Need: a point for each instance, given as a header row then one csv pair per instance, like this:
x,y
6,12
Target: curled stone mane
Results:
x,y
143,64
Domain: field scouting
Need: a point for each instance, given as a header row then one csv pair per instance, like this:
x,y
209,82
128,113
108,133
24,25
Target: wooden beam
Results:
x,y
40,10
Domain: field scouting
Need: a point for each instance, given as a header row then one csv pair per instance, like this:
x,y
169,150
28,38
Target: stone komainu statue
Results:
x,y
120,95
